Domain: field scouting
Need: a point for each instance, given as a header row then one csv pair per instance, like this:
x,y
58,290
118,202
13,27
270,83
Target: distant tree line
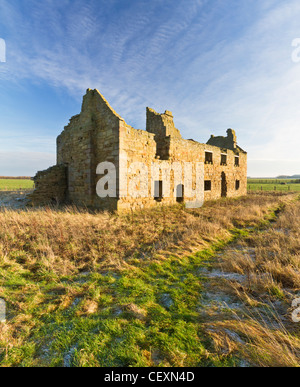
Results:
x,y
16,177
273,181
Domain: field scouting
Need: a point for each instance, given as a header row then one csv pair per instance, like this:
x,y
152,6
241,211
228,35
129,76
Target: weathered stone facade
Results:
x,y
98,134
50,186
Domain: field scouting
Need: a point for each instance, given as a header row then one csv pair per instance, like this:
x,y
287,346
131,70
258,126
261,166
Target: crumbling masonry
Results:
x,y
98,134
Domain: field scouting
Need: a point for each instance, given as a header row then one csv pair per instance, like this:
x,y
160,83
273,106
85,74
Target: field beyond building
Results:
x,y
16,184
280,185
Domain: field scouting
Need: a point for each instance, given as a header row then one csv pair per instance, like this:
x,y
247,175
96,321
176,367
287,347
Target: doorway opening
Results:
x,y
223,185
158,190
180,193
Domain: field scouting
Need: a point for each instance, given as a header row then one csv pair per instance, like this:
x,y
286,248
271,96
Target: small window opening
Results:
x,y
223,159
208,158
236,161
237,184
207,185
158,190
179,193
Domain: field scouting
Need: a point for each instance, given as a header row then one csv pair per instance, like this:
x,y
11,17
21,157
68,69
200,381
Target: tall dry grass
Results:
x,y
67,240
39,247
262,331
271,257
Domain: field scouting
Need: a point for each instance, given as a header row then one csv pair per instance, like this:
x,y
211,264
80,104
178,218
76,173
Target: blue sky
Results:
x,y
216,64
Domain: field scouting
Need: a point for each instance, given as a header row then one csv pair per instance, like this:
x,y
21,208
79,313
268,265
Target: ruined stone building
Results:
x,y
98,134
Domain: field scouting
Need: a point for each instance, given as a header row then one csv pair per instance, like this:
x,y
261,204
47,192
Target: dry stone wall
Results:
x,y
50,186
98,134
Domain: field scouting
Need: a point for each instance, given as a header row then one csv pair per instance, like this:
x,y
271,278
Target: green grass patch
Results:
x,y
276,185
16,184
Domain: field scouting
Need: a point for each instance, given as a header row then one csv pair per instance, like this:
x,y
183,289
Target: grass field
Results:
x,y
139,289
284,185
16,184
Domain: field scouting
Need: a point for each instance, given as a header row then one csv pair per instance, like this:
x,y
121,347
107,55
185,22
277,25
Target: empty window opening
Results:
x,y
236,161
179,193
158,190
207,185
237,184
208,158
223,159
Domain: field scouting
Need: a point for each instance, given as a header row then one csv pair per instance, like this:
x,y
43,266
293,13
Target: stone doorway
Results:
x,y
180,193
158,190
223,185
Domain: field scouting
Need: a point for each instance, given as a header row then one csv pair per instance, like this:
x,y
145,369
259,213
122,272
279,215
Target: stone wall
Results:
x,y
162,125
228,142
90,138
50,186
192,151
98,134
137,146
